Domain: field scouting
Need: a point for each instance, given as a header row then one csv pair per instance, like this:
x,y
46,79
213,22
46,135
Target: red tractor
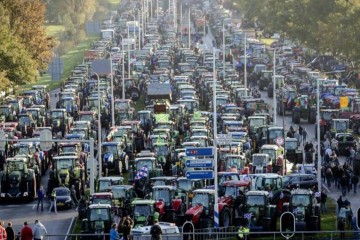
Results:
x,y
201,214
170,203
234,196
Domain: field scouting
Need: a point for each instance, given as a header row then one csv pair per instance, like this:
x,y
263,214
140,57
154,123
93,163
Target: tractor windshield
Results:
x,y
161,150
99,214
270,152
63,164
121,105
15,166
101,200
24,120
300,200
57,115
118,193
86,117
255,200
163,194
255,122
230,191
202,199
185,184
291,145
110,149
142,210
104,185
275,133
22,150
259,160
143,163
234,162
341,126
5,111
68,149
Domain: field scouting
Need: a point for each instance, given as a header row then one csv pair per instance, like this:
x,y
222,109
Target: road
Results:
x,y
19,213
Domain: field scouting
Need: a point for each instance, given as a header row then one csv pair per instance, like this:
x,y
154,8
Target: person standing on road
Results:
x,y
156,231
114,235
354,182
323,199
10,232
41,195
343,184
53,201
304,134
3,233
26,232
39,230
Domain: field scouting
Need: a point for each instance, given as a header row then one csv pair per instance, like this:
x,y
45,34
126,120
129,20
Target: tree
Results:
x,y
16,63
25,19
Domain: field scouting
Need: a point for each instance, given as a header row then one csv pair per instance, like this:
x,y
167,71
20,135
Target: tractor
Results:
x,y
97,222
293,153
17,180
67,172
285,99
257,213
307,213
170,203
265,79
261,163
304,110
279,80
60,121
327,115
142,211
201,212
340,126
114,157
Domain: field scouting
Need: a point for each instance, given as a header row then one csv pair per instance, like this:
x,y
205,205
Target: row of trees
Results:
x,y
24,46
325,26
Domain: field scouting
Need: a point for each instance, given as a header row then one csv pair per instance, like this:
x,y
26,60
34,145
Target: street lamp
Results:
x,y
274,88
245,67
189,31
99,124
112,90
133,29
216,206
318,135
223,42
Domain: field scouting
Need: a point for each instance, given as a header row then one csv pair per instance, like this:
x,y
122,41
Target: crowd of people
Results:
x,y
37,232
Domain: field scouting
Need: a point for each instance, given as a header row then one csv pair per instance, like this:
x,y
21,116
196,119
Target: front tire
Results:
x,y
225,218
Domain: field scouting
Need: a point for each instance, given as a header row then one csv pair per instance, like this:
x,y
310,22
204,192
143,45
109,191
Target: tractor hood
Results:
x,y
14,179
194,211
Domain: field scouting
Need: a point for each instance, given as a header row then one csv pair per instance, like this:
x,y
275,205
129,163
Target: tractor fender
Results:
x,y
176,203
222,206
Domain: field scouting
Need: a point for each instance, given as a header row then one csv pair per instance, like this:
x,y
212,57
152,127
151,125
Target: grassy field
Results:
x,y
54,30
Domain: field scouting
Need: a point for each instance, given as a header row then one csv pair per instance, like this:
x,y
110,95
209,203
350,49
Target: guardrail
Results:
x,y
219,234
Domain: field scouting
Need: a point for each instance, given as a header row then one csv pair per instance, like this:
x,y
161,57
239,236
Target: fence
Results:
x,y
221,234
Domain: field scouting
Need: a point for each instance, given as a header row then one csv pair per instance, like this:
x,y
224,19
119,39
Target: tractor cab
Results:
x,y
141,210
233,162
293,153
261,163
105,184
340,126
101,198
98,219
163,181
269,182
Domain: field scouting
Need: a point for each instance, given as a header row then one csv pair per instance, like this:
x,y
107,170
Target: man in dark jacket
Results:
x,y
10,232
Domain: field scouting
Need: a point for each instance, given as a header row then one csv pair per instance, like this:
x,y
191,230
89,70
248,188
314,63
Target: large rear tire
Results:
x,y
296,117
225,218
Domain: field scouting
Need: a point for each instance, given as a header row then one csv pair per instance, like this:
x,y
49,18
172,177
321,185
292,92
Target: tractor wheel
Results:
x,y
169,216
270,92
117,168
261,86
125,164
31,189
296,117
207,226
312,117
314,223
225,218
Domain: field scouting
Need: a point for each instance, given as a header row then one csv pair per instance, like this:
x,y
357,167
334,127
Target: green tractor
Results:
x,y
303,109
142,211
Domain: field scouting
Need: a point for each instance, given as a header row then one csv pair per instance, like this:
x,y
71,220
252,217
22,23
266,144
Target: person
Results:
x,y
53,201
114,235
26,232
354,182
126,225
304,135
323,199
41,195
39,230
10,232
3,233
156,231
73,195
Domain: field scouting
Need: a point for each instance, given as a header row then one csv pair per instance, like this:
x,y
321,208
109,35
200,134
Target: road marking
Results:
x,y
70,226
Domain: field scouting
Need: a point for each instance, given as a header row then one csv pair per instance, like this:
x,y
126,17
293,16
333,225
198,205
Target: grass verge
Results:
x,y
54,30
71,59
